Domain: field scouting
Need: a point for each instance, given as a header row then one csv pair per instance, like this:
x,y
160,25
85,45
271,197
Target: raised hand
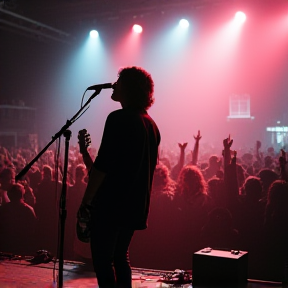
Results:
x,y
182,146
198,136
84,140
195,151
177,168
258,145
282,158
227,143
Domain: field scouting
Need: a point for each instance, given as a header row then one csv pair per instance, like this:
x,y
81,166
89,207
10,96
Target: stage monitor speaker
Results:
x,y
217,267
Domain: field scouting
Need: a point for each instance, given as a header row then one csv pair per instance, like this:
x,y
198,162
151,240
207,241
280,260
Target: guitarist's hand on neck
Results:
x,y
84,142
95,176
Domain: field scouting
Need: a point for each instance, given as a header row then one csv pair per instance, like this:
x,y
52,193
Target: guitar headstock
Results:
x,y
84,140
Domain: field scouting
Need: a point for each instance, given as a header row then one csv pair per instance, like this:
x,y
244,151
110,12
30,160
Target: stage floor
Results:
x,y
21,274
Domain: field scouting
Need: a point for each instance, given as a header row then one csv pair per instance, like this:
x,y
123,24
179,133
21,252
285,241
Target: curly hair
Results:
x,y
191,182
162,183
139,86
47,171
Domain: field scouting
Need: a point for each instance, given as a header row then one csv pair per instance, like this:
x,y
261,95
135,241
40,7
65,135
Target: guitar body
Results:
x,y
83,228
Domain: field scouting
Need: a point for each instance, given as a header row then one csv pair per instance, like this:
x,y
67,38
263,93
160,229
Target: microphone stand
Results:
x,y
64,130
63,211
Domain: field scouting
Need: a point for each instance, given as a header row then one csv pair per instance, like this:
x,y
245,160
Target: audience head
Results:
x,y
47,172
271,151
191,182
214,162
278,194
277,202
247,158
252,188
80,172
16,193
250,170
165,161
267,177
268,162
161,177
7,178
162,183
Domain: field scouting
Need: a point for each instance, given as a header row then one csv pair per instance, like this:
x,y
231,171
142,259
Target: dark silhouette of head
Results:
x,y
214,162
47,172
247,158
7,178
16,193
278,194
80,172
267,177
138,87
252,188
277,203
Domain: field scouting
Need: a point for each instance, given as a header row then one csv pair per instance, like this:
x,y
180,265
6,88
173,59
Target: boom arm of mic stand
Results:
x,y
54,138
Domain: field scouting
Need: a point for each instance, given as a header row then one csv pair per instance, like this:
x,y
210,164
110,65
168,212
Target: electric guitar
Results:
x,y
83,225
83,216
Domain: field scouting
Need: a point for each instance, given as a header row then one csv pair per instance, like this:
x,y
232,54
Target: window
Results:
x,y
239,106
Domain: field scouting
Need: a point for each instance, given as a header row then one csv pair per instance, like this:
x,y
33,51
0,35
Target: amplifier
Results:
x,y
216,267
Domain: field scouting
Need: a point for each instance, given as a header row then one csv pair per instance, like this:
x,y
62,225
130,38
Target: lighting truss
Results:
x,y
16,23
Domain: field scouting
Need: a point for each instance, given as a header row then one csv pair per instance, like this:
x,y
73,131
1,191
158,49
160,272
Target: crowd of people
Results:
x,y
224,200
34,225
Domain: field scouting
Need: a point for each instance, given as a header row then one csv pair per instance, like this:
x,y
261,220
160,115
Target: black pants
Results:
x,y
109,247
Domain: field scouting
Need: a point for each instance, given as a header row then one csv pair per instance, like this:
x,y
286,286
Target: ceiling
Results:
x,y
68,11
59,19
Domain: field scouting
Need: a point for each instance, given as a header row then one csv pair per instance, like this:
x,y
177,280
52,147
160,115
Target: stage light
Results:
x,y
137,28
240,17
183,23
94,34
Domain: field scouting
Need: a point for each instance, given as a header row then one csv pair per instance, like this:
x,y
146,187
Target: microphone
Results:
x,y
100,86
